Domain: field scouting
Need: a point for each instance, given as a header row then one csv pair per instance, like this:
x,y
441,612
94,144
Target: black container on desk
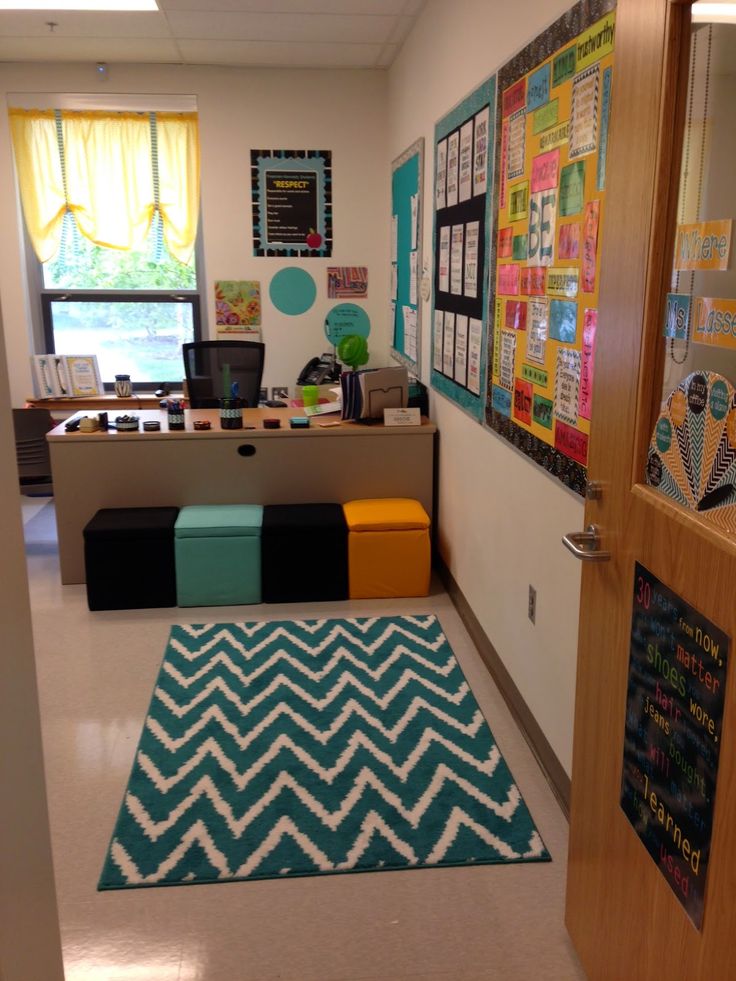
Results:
x,y
176,420
231,413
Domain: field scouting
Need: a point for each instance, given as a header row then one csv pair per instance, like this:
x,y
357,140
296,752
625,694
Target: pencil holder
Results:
x,y
231,413
176,419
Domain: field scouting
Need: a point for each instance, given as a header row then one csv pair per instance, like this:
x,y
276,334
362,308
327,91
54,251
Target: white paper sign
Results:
x,y
440,190
414,218
437,349
466,161
472,231
475,342
517,144
461,349
480,152
402,417
394,280
445,259
410,333
542,222
413,277
567,385
453,146
584,114
394,238
448,361
456,260
536,333
508,359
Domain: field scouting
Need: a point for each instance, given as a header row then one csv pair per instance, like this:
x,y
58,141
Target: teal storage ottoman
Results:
x,y
218,555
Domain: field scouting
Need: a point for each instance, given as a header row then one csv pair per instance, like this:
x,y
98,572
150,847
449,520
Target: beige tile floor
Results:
x,y
96,673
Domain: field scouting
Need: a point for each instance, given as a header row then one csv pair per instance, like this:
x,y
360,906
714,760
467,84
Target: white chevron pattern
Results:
x,y
294,747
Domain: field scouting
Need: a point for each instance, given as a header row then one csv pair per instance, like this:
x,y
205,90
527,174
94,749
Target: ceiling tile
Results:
x,y
281,27
82,24
278,55
344,7
145,50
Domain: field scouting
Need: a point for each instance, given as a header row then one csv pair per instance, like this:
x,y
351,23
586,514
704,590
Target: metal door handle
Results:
x,y
585,545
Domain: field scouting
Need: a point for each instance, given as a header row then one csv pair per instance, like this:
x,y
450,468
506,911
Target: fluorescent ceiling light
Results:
x,y
714,13
99,5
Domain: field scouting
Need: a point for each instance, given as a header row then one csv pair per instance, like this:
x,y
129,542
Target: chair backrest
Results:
x,y
32,450
211,367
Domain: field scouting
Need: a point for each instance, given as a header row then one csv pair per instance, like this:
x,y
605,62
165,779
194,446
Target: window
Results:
x,y
110,200
134,310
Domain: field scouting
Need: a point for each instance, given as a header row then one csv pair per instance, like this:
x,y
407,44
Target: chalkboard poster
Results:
x,y
674,716
292,202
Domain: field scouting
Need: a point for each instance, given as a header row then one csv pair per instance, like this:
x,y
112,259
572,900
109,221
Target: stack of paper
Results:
x,y
366,393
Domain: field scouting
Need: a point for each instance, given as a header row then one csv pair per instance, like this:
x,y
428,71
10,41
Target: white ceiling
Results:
x,y
254,33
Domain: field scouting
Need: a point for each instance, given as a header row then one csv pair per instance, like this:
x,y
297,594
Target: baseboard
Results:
x,y
530,729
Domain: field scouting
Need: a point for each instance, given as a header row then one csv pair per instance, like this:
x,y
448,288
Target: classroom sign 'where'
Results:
x,y
674,722
551,150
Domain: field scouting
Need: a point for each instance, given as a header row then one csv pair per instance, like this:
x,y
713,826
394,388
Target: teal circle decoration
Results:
x,y
344,319
292,291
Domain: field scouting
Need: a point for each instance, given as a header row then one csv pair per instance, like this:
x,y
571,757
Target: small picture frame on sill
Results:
x,y
84,375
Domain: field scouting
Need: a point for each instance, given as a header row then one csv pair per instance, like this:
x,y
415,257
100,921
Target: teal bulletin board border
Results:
x,y
406,181
484,95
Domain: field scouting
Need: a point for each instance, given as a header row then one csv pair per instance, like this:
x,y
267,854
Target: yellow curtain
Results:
x,y
108,177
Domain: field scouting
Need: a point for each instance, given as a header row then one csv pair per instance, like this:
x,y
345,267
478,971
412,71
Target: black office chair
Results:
x,y
32,451
208,365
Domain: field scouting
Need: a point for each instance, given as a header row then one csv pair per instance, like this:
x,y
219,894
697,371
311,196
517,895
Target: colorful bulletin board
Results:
x,y
461,242
554,105
406,255
292,202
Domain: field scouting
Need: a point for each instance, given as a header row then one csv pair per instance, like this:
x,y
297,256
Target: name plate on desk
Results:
x,y
402,417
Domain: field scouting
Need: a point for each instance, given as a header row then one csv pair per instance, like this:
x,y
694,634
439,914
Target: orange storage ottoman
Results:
x,y
388,548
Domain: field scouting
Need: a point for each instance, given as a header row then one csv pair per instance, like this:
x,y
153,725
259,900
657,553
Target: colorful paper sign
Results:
x,y
537,376
555,137
584,114
536,335
571,442
546,116
514,98
590,323
563,321
501,400
677,315
237,304
537,89
505,242
523,393
532,280
572,189
605,119
519,201
542,220
347,282
563,282
590,244
569,244
714,321
564,66
597,42
705,245
515,314
545,171
517,145
542,411
508,280
520,247
502,184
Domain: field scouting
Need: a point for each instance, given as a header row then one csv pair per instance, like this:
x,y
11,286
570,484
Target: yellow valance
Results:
x,y
112,170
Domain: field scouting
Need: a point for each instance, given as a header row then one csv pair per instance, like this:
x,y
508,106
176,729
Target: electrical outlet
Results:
x,y
532,603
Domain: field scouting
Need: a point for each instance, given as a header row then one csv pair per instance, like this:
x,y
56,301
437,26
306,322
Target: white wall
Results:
x,y
500,516
240,109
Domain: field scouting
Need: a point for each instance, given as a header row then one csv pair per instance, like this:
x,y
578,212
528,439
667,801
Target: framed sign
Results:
x,y
674,723
292,202
462,236
406,255
554,101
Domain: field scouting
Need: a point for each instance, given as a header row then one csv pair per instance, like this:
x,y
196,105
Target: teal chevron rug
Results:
x,y
300,747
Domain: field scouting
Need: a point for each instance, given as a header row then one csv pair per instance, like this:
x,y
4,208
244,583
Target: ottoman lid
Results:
x,y
112,524
300,517
219,521
385,514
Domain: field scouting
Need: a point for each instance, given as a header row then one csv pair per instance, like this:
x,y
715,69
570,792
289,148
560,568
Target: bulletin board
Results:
x,y
461,242
554,102
406,255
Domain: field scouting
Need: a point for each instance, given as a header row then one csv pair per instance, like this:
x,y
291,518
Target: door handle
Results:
x,y
585,545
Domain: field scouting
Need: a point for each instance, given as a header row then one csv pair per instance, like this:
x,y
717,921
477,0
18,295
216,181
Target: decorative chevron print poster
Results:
x,y
294,748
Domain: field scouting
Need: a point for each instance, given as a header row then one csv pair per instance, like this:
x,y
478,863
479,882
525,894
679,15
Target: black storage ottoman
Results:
x,y
304,553
129,558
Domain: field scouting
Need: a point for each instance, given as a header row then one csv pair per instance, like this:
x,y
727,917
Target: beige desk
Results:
x,y
100,403
258,466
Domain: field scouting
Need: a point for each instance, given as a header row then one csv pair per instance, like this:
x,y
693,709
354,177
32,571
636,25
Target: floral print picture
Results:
x,y
237,303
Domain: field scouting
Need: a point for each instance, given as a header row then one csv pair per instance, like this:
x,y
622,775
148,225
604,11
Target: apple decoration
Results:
x,y
314,239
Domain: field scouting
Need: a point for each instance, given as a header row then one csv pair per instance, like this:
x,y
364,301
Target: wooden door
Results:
x,y
623,914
